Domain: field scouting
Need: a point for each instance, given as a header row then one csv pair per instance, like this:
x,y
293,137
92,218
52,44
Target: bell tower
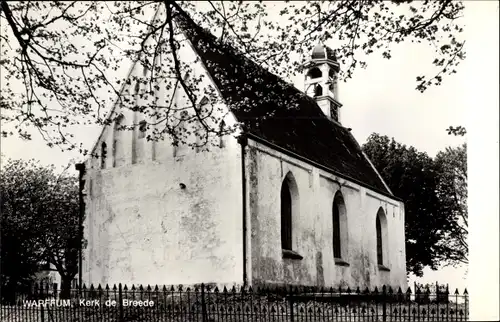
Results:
x,y
321,81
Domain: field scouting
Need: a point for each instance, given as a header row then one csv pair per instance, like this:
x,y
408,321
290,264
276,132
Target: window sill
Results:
x,y
288,253
341,262
383,268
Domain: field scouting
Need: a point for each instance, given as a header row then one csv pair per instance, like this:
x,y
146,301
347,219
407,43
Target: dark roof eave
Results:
x,y
320,166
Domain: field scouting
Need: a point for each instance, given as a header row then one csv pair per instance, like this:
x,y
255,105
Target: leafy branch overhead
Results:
x,y
456,130
63,63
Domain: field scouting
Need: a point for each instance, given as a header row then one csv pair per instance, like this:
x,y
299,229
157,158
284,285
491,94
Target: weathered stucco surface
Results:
x,y
159,214
312,227
142,227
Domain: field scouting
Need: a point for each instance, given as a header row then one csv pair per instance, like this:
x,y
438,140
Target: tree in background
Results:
x,y
39,220
63,54
451,166
434,193
18,260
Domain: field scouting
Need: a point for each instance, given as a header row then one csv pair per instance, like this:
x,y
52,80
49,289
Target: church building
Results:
x,y
289,198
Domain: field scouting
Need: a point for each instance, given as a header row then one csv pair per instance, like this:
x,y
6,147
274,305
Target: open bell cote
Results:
x,y
321,81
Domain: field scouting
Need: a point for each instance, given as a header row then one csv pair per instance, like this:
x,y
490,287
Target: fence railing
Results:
x,y
206,303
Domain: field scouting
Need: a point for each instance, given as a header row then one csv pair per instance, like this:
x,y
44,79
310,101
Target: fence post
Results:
x,y
203,305
42,315
438,298
291,309
120,302
384,304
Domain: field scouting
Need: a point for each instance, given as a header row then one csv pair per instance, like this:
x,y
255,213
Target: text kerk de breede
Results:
x,y
95,303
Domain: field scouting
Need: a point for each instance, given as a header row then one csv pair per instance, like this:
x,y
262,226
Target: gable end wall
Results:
x,y
159,216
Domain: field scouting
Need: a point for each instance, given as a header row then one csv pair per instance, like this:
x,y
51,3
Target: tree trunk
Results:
x,y
8,293
65,287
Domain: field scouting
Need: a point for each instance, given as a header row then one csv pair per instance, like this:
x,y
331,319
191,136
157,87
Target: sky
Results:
x,y
382,99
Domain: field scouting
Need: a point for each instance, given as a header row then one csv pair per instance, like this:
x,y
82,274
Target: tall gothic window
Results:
x,y
137,87
180,143
336,232
289,210
104,152
117,146
381,231
339,221
286,216
222,141
380,255
142,129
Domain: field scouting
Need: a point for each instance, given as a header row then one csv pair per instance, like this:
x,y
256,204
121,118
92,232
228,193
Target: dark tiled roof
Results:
x,y
279,113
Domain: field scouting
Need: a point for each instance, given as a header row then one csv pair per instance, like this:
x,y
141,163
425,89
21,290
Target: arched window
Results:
x,y
339,220
286,216
199,131
331,73
104,152
336,232
381,231
117,138
137,87
315,73
380,254
180,142
222,142
318,90
175,145
289,207
142,129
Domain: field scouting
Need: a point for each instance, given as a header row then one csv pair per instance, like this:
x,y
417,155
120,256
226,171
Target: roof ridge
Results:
x,y
228,48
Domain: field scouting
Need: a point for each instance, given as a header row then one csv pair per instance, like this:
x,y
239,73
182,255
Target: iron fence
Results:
x,y
206,303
